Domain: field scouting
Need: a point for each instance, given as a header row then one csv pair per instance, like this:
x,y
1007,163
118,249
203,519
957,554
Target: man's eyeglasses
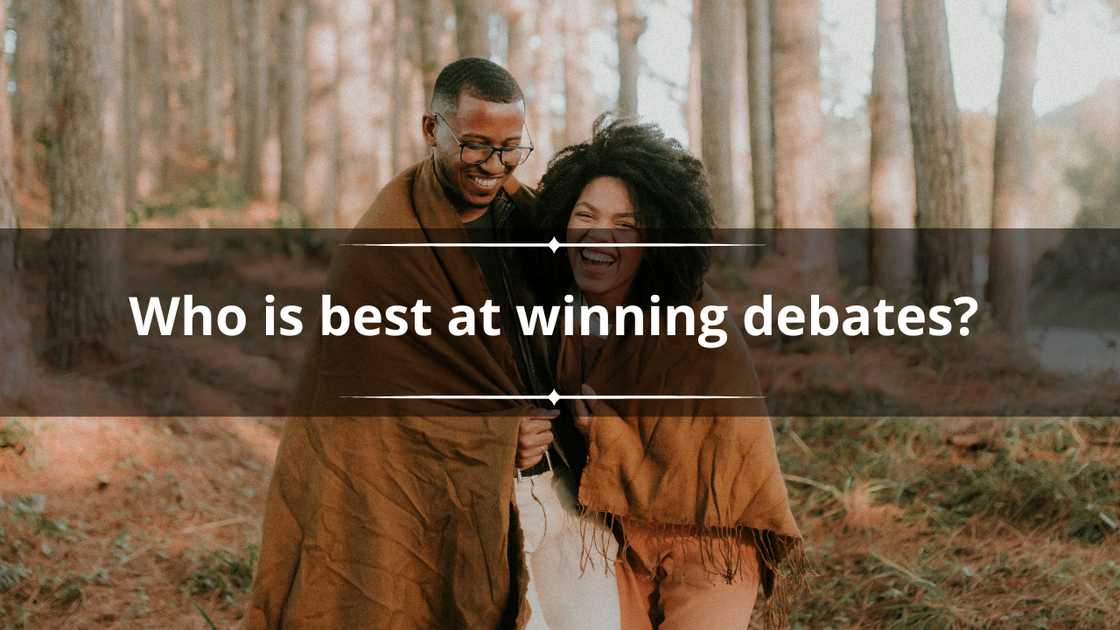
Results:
x,y
474,153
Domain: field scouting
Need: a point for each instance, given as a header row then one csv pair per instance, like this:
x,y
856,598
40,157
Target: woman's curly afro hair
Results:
x,y
669,190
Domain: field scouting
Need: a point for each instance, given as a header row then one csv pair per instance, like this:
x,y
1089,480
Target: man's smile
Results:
x,y
486,183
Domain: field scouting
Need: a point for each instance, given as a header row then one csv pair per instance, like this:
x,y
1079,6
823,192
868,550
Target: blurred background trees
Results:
x,y
297,111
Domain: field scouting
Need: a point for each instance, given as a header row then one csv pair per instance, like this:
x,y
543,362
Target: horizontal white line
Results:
x,y
549,397
556,246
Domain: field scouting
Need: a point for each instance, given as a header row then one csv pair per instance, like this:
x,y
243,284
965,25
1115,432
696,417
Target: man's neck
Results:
x,y
470,213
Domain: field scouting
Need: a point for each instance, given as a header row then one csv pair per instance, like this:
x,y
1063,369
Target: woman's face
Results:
x,y
604,213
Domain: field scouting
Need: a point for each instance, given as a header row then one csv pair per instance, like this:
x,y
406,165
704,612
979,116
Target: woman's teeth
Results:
x,y
596,258
486,183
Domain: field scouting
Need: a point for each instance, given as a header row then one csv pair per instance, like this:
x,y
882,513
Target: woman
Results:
x,y
692,487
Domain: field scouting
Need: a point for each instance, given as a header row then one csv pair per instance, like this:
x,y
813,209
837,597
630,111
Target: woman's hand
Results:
x,y
588,410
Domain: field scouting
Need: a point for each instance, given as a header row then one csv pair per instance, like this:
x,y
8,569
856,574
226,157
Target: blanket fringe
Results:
x,y
784,568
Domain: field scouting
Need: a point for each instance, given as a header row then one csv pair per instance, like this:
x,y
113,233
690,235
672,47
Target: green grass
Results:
x,y
223,573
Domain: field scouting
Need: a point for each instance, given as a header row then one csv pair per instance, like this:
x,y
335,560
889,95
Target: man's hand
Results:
x,y
533,437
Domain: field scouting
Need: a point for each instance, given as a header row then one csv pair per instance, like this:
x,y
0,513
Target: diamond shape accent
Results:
x,y
554,245
553,397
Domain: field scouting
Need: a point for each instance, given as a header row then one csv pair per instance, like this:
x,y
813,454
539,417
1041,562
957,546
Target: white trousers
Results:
x,y
563,596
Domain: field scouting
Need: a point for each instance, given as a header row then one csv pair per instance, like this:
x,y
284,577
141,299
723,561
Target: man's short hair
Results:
x,y
480,78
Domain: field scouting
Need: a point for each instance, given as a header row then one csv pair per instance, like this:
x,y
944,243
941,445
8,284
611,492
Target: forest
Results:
x,y
212,116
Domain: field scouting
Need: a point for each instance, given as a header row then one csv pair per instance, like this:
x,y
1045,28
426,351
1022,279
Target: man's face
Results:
x,y
481,122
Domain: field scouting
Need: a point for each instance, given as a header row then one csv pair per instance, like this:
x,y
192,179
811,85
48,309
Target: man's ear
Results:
x,y
428,128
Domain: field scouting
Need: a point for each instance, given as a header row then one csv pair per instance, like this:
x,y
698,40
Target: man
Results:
x,y
405,520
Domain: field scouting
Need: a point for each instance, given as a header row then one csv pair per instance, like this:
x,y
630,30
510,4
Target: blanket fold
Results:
x,y
706,469
397,515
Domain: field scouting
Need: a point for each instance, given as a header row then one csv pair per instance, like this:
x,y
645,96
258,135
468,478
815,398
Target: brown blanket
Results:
x,y
708,468
400,521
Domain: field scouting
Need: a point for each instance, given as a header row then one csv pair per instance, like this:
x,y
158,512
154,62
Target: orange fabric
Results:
x,y
663,578
706,467
404,521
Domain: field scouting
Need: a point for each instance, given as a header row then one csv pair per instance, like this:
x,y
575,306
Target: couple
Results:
x,y
490,513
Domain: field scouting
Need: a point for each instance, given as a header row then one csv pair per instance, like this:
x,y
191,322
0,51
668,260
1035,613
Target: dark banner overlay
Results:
x,y
839,323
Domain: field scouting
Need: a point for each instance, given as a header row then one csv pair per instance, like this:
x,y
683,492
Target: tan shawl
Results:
x,y
402,521
708,468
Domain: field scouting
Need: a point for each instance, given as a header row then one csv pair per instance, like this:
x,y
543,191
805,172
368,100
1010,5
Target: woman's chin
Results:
x,y
591,286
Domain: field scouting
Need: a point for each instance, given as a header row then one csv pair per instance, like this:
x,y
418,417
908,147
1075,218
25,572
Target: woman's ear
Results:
x,y
428,129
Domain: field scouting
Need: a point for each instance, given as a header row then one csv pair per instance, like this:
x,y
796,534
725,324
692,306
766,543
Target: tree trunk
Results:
x,y
32,90
402,36
15,333
84,179
292,36
630,27
358,168
695,95
801,200
540,104
242,91
892,203
519,30
153,96
578,115
187,73
472,28
1009,277
250,91
211,82
257,95
761,112
716,46
427,29
130,123
7,147
321,165
944,248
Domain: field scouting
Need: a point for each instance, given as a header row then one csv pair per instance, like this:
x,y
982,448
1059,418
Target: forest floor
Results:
x,y
929,523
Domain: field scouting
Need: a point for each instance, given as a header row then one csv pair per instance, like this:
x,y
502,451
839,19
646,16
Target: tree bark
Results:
x,y
428,31
153,94
578,115
402,35
630,27
716,46
242,90
761,112
130,123
1010,256
257,93
187,72
519,30
211,81
539,106
801,199
84,180
321,164
292,36
944,248
695,94
15,332
250,64
32,90
472,29
892,203
7,147
358,167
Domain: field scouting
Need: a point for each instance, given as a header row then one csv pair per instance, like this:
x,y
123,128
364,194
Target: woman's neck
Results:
x,y
610,299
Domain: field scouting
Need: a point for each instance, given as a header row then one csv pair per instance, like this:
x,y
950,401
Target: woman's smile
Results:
x,y
604,216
